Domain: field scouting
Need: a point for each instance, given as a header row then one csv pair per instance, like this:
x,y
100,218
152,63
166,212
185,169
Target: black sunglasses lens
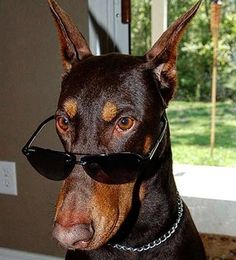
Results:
x,y
112,169
51,164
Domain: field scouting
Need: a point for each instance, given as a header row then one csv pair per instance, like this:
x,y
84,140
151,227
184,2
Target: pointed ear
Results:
x,y
73,45
162,56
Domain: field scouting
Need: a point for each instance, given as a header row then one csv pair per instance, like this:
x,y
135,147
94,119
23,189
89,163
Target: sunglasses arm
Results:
x,y
151,154
39,129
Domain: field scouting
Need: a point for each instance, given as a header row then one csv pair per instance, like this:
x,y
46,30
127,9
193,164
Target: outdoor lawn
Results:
x,y
190,133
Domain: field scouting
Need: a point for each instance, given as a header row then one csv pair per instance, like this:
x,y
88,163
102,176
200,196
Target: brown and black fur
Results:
x,y
96,92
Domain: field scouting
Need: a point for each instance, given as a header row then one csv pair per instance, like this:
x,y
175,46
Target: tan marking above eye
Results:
x,y
71,107
109,111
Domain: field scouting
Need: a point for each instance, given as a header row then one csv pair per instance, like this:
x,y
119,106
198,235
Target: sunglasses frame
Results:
x,y
72,158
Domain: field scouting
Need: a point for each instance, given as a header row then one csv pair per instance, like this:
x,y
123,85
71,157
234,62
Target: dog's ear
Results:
x,y
73,45
162,56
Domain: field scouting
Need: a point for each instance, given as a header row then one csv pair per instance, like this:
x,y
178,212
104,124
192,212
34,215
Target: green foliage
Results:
x,y
190,133
141,27
195,51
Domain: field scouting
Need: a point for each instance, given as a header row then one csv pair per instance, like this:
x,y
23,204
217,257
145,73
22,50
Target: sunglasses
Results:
x,y
113,168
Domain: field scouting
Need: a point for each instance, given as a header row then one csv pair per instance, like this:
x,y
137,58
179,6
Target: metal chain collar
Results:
x,y
160,240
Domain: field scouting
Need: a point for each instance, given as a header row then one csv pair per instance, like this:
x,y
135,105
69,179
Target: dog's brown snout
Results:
x,y
76,236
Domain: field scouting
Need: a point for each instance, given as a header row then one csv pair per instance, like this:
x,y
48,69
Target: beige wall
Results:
x,y
29,87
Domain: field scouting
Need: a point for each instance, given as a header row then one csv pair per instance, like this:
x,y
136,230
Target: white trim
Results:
x,y
10,254
107,14
208,182
159,18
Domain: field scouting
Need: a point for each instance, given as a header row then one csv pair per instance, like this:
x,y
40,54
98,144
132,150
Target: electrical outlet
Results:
x,y
8,178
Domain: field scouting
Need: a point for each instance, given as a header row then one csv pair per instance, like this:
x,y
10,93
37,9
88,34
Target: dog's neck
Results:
x,y
161,196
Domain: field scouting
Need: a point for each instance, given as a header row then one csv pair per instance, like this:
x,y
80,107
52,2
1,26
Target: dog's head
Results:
x,y
108,104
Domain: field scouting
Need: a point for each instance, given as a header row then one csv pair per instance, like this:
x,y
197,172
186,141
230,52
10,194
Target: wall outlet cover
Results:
x,y
8,178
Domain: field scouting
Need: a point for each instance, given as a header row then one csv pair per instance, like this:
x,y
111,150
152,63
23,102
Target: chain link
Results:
x,y
160,240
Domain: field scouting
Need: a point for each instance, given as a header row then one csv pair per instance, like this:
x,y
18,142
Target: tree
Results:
x,y
141,26
195,51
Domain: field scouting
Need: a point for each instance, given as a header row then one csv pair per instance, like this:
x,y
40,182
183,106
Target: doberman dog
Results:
x,y
122,203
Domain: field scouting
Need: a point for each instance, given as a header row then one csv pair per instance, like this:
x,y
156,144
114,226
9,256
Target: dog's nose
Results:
x,y
76,236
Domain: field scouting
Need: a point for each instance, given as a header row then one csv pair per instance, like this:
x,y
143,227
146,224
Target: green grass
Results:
x,y
190,133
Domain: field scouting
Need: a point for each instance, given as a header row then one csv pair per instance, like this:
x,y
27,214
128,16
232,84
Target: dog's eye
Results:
x,y
125,123
62,123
